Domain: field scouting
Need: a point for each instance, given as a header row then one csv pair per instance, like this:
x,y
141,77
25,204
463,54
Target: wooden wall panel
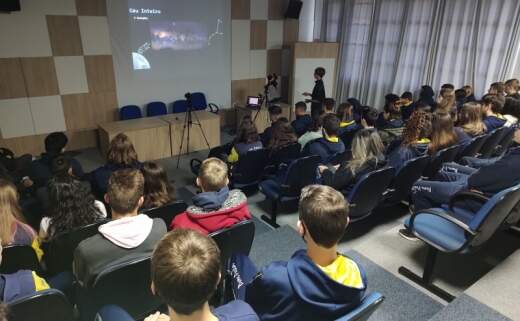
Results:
x,y
291,28
81,139
91,7
241,9
258,34
274,61
25,145
100,73
86,111
240,89
316,50
277,9
12,84
40,76
64,35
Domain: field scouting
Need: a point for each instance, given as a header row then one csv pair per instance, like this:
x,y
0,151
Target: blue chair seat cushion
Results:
x,y
437,231
271,189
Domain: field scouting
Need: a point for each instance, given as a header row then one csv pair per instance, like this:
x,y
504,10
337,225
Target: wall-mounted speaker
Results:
x,y
9,5
294,9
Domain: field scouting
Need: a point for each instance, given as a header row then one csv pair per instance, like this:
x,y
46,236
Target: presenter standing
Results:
x,y
318,93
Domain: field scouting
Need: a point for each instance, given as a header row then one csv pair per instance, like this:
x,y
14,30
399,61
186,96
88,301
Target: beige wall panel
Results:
x,y
100,73
61,7
40,76
71,73
239,91
258,64
91,7
259,9
240,9
95,36
258,34
47,114
12,84
275,34
24,35
64,35
15,118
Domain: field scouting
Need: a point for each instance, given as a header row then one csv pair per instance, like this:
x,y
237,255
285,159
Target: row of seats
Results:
x,y
385,186
158,108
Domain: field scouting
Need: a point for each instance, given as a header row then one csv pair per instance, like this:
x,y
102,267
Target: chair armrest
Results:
x,y
463,195
213,108
284,188
442,215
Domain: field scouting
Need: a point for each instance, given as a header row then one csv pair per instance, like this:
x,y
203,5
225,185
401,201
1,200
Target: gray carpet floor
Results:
x,y
465,308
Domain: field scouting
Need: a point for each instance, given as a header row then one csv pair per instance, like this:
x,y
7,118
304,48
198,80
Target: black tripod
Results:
x,y
188,122
267,103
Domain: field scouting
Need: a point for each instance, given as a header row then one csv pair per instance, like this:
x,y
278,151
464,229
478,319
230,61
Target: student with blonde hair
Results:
x,y
216,207
470,119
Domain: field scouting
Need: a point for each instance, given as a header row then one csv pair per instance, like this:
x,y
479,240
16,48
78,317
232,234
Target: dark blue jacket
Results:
x,y
100,176
235,311
41,169
325,149
493,122
463,138
401,154
298,290
498,176
16,285
302,124
407,111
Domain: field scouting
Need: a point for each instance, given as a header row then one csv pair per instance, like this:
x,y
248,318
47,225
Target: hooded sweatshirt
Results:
x,y
41,169
400,155
299,290
494,122
118,241
213,211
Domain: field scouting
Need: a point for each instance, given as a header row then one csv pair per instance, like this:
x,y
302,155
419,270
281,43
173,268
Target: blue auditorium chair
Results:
x,y
179,106
490,145
46,305
300,173
458,231
368,192
249,170
473,148
401,185
130,112
368,306
446,155
156,108
167,212
199,102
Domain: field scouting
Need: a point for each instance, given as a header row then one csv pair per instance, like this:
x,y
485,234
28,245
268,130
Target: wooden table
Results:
x,y
150,136
262,121
209,122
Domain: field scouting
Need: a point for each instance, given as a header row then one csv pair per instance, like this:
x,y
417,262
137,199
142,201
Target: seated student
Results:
x,y
128,236
492,109
367,156
446,102
443,133
460,98
407,105
470,119
511,90
328,105
390,122
487,180
247,140
426,97
347,123
275,112
121,155
158,190
511,111
71,206
317,283
13,231
303,121
330,144
469,96
414,142
314,132
497,89
448,86
357,109
216,207
369,117
55,144
283,135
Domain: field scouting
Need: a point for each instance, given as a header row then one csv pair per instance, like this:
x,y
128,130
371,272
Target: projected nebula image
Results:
x,y
178,35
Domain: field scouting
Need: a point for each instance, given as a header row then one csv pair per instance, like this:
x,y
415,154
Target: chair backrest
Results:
x,y
493,214
59,252
286,154
167,212
347,138
405,177
126,285
491,143
368,192
301,172
250,167
472,149
198,101
368,306
156,108
235,239
130,112
507,139
179,106
18,257
443,156
47,305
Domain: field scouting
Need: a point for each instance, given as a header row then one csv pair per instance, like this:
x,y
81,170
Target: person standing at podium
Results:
x,y
318,93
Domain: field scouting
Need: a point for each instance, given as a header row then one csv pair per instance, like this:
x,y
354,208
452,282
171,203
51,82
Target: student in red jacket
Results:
x,y
216,207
